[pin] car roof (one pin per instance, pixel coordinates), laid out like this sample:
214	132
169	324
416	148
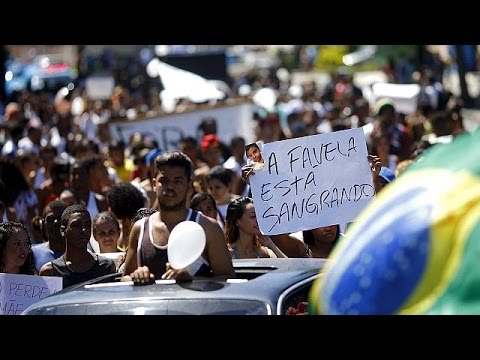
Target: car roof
262	280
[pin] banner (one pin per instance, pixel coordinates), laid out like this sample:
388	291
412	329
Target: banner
312	181
235	120
17	292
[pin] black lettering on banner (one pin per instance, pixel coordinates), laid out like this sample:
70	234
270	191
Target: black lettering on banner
323	198
11	308
265	193
295	182
310	205
327	151
171	136
272	163
292	159
283	212
266	216
328	199
306	157
319	161
334	197
370	187
338	149
310	179
295	209
344	195
351	145
277	186
357	192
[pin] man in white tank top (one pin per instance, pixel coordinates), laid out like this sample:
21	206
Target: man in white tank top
171	184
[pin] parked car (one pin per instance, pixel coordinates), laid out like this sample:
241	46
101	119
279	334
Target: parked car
44	72
50	73
262	287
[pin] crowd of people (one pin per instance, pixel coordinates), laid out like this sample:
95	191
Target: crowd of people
70	192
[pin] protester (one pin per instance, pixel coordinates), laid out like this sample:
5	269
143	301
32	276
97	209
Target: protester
124	200
219	182
77	264
205	203
243	234
146	258
322	240
16	253
54	245
106	230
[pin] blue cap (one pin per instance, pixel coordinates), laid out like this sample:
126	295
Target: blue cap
152	155
387	174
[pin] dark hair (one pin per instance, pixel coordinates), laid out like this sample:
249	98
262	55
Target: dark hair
12	182
142	213
189	140
56	204
235	211
116	145
254	144
172	159
124	200
61	166
309	239
38	222
198	198
6	230
89	162
105	217
206	123
237	140
221	174
73	209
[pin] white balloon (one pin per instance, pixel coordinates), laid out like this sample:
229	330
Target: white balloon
185	245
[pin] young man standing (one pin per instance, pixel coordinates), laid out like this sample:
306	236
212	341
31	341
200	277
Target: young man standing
146	258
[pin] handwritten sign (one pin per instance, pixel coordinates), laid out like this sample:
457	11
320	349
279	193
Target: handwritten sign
312	181
168	130
17	292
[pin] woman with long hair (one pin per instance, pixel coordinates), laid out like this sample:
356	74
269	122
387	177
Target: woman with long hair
243	235
16	255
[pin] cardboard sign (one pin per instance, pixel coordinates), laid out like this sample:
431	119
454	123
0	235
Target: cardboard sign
312	181
17	292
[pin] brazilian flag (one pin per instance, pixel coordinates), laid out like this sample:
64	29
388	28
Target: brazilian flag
416	248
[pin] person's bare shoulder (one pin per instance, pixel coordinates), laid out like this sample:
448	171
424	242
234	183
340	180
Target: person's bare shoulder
209	224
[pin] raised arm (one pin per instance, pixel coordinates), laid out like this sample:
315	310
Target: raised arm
291	246
265	240
131	255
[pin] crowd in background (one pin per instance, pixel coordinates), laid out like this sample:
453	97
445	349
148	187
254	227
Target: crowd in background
58	146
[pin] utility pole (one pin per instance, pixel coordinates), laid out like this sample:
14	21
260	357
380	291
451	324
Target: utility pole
467	100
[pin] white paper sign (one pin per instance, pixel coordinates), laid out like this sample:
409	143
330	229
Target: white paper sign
312	181
99	87
232	121
17	292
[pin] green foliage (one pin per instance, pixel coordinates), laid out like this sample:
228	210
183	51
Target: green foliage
329	57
